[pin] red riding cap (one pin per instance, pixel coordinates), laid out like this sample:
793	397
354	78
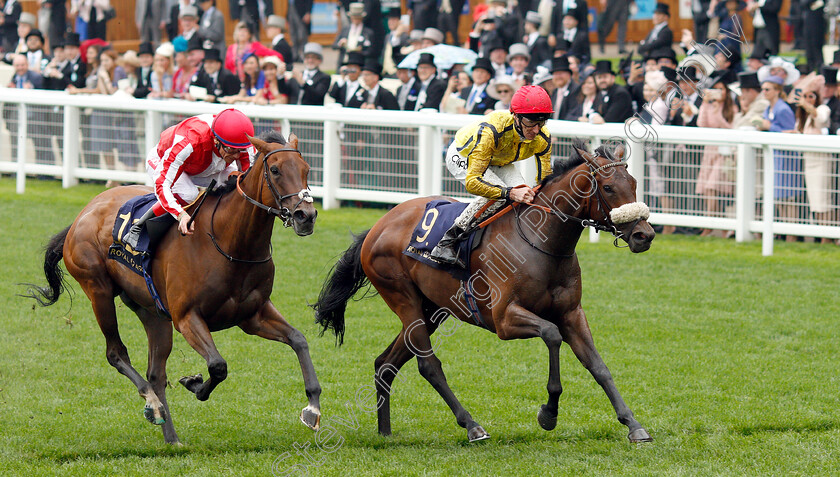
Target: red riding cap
232	128
531	99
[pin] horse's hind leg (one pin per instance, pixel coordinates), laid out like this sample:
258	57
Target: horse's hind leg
386	367
195	331
270	324
159	334
117	354
576	332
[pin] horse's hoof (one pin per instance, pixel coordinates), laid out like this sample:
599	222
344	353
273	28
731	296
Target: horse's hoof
546	420
192	383
639	435
311	417
149	414
477	433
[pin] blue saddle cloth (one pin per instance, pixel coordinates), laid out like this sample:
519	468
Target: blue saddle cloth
137	260
437	219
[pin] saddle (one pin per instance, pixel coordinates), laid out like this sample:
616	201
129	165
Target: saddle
438	217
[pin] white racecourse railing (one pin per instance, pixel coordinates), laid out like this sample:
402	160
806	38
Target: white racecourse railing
391	156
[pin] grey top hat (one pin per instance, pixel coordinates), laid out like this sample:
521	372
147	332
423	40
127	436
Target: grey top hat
518	49
533	17
415	35
276	21
312	48
188	11
433	34
28	18
356	9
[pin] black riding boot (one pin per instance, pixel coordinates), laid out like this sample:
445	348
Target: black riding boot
133	234
446	250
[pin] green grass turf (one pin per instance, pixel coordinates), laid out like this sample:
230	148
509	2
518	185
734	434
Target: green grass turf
728	358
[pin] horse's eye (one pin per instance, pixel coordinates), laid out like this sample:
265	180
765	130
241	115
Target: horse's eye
274	170
608	188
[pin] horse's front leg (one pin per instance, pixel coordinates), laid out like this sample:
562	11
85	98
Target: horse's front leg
195	331
519	323
270	324
576	332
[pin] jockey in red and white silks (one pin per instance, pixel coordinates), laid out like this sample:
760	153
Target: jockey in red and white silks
190	155
187	158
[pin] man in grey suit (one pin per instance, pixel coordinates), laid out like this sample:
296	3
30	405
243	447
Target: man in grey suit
148	16
211	27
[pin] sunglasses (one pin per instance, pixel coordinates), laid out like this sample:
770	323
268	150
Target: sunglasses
503	91
528	124
768	89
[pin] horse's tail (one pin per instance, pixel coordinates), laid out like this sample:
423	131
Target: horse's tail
49	294
346	278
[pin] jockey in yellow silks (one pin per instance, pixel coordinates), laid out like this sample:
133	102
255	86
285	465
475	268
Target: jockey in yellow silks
482	155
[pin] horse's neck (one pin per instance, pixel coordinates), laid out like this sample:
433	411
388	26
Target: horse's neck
561	236
240	225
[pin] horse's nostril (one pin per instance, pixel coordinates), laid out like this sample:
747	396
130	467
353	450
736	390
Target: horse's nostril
640	236
300	216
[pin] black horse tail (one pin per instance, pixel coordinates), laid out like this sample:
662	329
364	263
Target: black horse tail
49	294
346	278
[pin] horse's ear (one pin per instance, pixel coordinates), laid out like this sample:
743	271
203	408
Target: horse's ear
619	152
258	143
586	156
293	141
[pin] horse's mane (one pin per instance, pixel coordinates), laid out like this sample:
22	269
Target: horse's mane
561	167
272	137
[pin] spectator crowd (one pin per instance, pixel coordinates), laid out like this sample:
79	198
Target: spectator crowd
721	81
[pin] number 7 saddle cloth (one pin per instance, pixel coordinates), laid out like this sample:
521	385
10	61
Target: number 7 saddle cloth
437	219
139	261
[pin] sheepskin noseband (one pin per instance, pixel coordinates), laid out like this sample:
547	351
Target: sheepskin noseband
629	213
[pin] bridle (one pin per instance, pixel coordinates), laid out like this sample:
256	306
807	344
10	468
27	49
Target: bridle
280	211
607	226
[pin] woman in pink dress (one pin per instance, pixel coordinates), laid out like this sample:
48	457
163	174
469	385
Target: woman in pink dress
716	180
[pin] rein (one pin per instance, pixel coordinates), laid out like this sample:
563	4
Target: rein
282	212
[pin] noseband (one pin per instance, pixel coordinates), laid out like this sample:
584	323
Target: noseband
280	211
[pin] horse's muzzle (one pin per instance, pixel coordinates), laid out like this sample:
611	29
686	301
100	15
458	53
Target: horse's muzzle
640	237
303	221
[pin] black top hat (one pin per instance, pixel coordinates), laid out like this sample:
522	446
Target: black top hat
394	12
145	48
758	54
494	44
830	74
195	43
36	32
373	66
662	8
718	76
836	57
668	53
670	74
688	72
212	54
749	80
426	59
563	45
355	58
560	63
603	66
484	64
71	39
